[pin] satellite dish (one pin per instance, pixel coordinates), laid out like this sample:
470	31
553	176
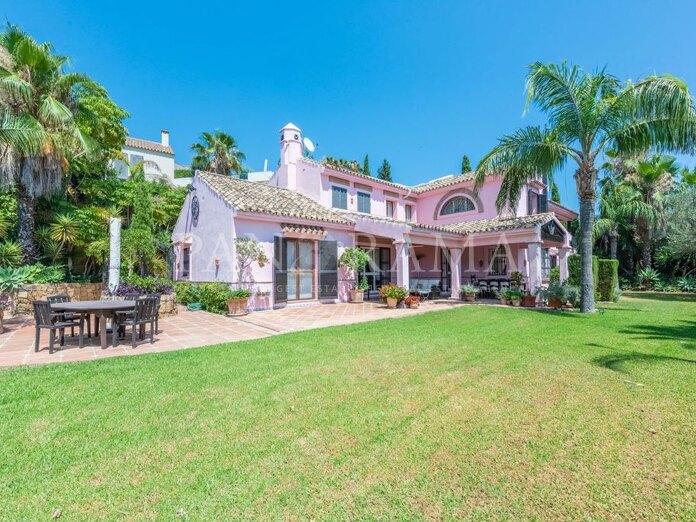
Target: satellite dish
308	145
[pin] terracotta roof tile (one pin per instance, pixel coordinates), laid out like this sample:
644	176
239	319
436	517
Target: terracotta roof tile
250	196
443	182
153	146
498	223
302	229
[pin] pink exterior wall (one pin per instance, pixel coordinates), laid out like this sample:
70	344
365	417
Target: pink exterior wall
212	238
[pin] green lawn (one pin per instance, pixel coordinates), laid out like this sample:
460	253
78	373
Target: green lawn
480	412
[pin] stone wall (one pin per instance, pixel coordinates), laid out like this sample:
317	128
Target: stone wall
77	292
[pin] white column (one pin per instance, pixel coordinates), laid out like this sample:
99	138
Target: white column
563	262
402	274
534	260
456	268
114	253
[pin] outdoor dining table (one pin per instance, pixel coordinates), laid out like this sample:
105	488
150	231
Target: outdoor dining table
101	310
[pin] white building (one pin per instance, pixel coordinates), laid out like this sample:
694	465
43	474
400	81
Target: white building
158	158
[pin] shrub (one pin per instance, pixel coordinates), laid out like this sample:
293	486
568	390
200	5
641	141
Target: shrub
563	292
555	275
214	296
687	284
240	293
574	270
145	285
648	278
10	254
187	292
608	279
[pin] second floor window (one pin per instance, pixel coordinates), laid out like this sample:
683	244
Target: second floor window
363	202
456	205
339	198
408	210
390	209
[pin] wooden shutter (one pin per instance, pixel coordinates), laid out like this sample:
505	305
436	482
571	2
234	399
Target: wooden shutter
280	269
543	203
328	270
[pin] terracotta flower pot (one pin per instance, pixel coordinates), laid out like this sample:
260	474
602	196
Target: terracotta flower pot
515	302
503	301
469	298
554	302
391	302
237	307
357	296
529	300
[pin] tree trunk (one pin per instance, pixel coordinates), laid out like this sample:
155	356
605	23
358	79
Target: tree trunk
586	181
613	244
587	297
646	254
26	210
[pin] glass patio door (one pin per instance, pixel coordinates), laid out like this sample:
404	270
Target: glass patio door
300	258
378	269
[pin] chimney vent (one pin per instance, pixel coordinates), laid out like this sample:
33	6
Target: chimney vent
165	138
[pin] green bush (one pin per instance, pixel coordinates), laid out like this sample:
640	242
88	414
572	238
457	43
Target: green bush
187	292
574	270
555	275
608	279
214	297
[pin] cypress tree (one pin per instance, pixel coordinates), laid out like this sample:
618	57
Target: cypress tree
366	166
384	171
466	164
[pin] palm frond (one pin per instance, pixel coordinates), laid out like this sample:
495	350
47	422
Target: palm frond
22	133
53	113
528	154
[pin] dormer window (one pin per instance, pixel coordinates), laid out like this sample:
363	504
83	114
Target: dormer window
457	205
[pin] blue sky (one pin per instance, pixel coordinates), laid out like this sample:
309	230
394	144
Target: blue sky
418	83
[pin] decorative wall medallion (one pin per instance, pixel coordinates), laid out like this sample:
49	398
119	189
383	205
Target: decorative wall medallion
195	209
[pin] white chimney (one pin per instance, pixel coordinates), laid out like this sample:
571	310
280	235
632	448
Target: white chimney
165	138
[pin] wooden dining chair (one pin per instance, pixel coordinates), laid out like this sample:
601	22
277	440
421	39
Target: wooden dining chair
69	316
143	313
45	319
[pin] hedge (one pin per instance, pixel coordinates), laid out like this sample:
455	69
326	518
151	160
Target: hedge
574	270
608	279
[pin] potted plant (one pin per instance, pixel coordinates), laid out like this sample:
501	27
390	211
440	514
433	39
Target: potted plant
516	279
515	297
393	294
529	299
237	302
412	301
558	294
468	293
356	259
502	296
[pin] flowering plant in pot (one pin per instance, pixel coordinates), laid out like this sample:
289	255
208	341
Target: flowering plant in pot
515	297
393	294
468	293
356	259
412	301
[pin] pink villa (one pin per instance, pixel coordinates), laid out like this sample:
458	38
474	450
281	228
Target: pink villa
437	235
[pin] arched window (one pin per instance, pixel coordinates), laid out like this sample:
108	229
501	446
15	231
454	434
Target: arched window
456	205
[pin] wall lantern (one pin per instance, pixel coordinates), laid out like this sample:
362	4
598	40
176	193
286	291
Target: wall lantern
480	263
217	262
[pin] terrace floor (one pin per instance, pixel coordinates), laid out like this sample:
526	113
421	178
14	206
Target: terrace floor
194	329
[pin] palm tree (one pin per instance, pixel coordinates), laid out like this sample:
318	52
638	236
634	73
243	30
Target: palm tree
40	105
587	115
218	152
650	181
